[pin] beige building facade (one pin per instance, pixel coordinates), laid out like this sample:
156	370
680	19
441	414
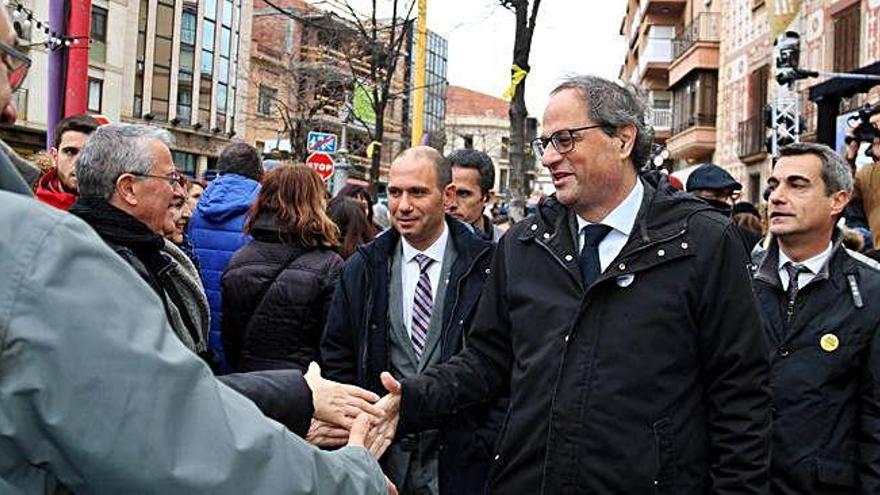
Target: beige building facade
717	70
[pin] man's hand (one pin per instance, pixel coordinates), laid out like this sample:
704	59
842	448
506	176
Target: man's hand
383	431
361	431
323	434
337	403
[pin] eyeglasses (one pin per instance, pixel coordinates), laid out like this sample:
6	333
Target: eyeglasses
563	140
174	178
18	64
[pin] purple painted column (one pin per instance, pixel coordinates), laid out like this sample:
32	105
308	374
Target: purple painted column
56	72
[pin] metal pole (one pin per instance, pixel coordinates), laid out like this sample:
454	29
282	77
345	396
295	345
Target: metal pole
56	72
418	107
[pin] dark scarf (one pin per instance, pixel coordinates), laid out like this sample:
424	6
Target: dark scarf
118	228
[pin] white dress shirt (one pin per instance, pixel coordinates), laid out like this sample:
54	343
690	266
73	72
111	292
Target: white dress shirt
814	264
621	220
410	273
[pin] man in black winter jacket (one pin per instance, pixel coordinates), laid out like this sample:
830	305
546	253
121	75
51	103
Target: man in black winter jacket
621	320
396	310
818	301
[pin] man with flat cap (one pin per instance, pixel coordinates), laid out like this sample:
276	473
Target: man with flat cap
717	187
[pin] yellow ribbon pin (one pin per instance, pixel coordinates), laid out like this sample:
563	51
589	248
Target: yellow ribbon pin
829	342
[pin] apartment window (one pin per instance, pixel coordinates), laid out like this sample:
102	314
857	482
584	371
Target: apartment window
185	162
162	59
694	101
847	26
138	106
211	9
98	35
187	44
184	103
505	147
96	90
266	100
208	48
205	92
503	180
758	90
468	141
227	13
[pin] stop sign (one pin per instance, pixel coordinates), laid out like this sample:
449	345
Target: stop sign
321	163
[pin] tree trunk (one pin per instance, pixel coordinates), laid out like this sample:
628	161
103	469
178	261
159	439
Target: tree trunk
376	159
520	160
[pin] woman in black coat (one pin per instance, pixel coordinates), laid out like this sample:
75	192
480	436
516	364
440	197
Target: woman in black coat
276	290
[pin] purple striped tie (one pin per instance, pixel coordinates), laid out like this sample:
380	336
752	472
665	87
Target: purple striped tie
423	304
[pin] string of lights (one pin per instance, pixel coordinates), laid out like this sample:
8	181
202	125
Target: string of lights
28	19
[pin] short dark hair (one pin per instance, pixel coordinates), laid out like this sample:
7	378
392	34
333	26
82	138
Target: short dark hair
242	159
78	123
476	160
441	164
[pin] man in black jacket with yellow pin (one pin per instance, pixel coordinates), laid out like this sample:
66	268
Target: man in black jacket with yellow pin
818	302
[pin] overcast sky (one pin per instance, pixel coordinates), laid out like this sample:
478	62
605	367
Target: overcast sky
572	36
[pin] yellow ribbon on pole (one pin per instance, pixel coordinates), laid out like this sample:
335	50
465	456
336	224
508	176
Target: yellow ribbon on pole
371	148
517	74
780	13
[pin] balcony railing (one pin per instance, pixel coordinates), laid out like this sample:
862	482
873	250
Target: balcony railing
705	27
751	135
661	118
694	120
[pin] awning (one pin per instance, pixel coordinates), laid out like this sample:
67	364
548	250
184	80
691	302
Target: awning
839	87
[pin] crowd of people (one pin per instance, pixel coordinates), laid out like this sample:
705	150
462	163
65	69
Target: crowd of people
253	335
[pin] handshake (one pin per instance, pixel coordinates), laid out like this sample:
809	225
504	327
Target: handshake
350	415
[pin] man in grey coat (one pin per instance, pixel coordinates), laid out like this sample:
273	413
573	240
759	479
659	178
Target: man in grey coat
97	395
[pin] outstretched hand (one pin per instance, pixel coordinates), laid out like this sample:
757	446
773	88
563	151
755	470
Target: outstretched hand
384	429
328	435
361	432
337	403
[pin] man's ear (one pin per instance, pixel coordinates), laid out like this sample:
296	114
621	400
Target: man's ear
839	200
53	153
448	195
125	189
627	138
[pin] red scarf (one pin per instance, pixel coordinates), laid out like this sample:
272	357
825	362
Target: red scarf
50	191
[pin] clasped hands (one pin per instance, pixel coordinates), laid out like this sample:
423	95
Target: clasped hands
350	415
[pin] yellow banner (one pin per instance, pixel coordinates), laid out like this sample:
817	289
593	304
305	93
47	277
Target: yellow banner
780	13
517	74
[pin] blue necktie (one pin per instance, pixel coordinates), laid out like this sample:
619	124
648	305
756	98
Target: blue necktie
589	257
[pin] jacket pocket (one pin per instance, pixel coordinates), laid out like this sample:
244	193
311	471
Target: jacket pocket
497	452
836	473
664	449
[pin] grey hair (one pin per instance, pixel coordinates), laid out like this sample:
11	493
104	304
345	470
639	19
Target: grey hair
113	150
614	105
836	173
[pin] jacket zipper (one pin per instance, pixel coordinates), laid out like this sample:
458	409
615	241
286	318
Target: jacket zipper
458	285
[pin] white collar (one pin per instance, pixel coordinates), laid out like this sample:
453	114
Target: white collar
623	216
435	251
814	264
